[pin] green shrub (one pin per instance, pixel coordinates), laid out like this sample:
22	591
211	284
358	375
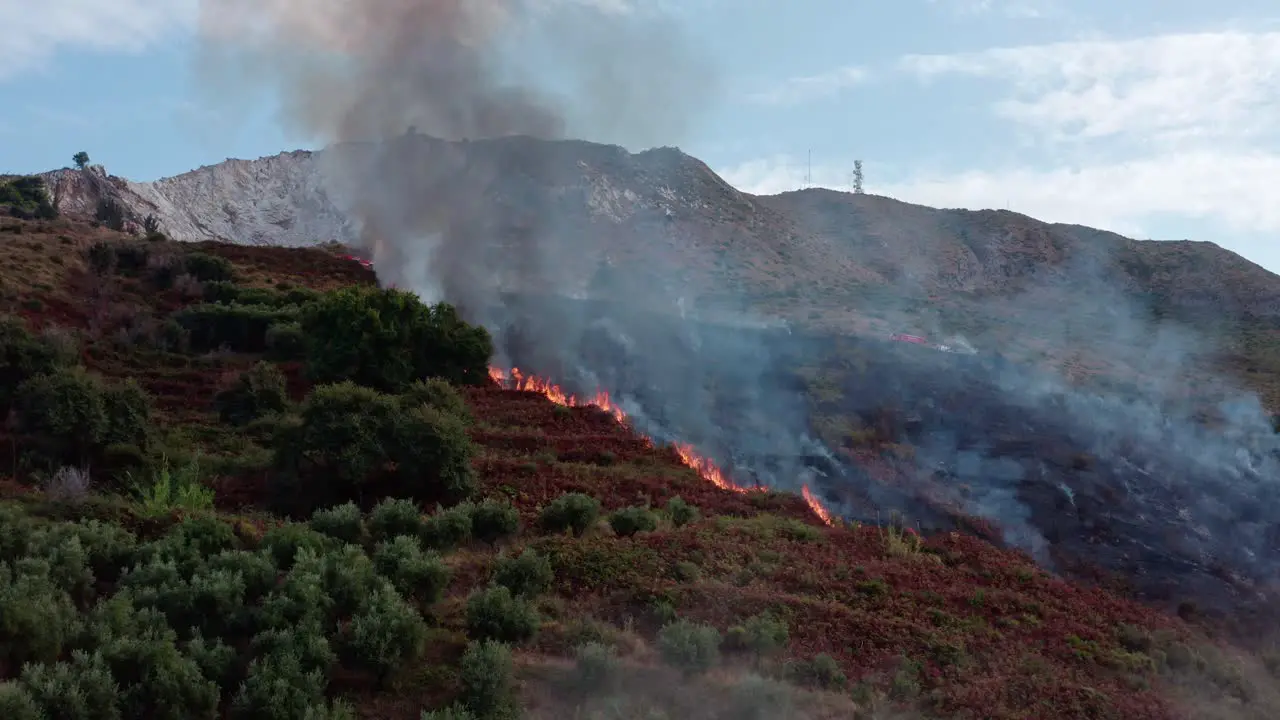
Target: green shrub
278	688
392	517
596	669
488	689
439	394
216	660
74	415
689	647
572	511
16	703
285	341
495	614
81	689
38	620
261	390
347	575
349	438
305	642
284	542
386	339
208	268
822	672
170	489
241	328
527	575
680	512
384	634
494	520
629	521
343	522
301	599
27	198
448	528
24	356
422	575
761	635
158	681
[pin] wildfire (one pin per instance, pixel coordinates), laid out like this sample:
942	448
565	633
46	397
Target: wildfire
516	380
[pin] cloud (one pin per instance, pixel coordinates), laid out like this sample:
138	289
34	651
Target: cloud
1170	88
1022	9
813	87
34	32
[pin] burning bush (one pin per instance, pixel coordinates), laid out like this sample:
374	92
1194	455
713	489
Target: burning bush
386	339
351	443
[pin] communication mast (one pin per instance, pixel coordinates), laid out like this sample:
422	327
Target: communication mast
857	177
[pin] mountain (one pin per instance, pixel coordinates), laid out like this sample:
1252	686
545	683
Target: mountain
833	260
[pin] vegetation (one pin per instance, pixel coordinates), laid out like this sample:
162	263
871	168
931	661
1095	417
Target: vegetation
244	482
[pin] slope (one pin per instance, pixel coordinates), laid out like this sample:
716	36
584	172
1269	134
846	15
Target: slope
175	530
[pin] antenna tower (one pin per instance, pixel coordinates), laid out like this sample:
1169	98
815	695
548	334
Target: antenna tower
857	177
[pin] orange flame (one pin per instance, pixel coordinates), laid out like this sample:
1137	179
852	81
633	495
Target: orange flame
516	380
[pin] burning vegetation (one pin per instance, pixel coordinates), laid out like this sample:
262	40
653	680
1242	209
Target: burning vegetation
224	466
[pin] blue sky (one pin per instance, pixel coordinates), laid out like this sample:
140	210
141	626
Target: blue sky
1154	118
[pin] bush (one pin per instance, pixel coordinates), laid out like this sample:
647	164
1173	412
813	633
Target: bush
494	520
305	642
761	635
81	689
347	575
341	522
37	619
488	690
349	438
453	712
421	575
241	328
596	669
439	394
215	659
571	511
285	341
392	517
384	634
261	390
447	529
680	512
27	198
495	614
386	339
170	489
629	521
822	672
18	704
208	268
278	688
24	356
158	680
528	575
74	415
285	542
689	647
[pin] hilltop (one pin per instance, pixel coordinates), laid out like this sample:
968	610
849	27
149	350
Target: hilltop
186	535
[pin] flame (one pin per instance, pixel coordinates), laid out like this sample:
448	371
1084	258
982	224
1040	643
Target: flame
516	380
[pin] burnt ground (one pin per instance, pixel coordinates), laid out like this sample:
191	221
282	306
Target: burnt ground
949	626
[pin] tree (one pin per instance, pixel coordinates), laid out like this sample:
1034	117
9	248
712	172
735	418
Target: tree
81	159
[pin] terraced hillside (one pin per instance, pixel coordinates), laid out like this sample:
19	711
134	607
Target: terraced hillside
204	516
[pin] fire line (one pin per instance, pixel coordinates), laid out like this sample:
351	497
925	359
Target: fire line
708	470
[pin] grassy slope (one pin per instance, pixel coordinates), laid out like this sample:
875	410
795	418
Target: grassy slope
952	625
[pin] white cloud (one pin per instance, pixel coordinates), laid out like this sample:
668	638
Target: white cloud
813	87
35	31
1030	9
1218	86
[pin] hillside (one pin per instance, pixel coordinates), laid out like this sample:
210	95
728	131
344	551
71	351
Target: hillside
167	580
525	215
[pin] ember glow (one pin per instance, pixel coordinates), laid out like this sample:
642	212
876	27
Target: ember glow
516	380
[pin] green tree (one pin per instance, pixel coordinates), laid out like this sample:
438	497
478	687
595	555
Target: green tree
387	339
81	159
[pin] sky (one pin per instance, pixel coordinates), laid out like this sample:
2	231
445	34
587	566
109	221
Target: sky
1152	118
